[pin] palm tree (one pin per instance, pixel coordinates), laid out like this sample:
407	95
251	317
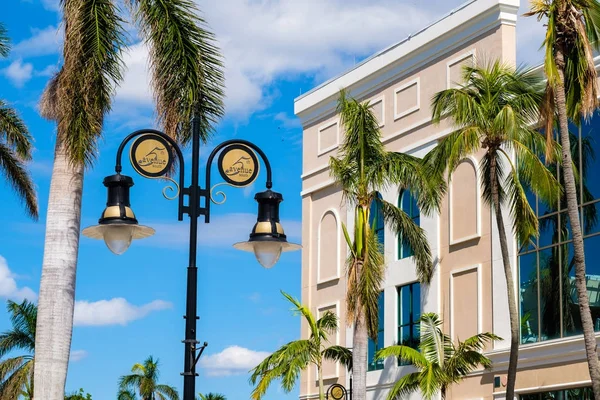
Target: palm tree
212	396
16	373
572	92
362	168
15	145
289	360
493	112
439	362
80	395
187	78
144	380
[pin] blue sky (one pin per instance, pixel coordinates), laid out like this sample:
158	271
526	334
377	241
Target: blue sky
131	306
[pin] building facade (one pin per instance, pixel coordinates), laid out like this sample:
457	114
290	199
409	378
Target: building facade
468	289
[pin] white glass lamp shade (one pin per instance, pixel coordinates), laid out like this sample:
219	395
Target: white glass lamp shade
118	237
267	253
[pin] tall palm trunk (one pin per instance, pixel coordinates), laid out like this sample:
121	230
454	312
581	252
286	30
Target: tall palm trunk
510	286
573	211
57	286
359	356
320	377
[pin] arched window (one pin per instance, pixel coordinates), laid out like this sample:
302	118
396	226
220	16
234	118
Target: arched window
376	220
408	204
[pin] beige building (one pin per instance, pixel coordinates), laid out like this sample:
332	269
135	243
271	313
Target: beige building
468	289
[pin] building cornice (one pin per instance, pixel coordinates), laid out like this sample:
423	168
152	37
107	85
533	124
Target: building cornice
470	20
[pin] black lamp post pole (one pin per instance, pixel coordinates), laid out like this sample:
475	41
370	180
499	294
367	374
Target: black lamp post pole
189	374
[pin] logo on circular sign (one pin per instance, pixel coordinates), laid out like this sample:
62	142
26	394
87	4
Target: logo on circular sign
337	392
151	155
238	165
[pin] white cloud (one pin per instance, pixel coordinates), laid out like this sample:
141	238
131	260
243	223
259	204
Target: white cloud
51	5
233	227
78	355
42	42
117	311
265	41
233	360
18	72
8	285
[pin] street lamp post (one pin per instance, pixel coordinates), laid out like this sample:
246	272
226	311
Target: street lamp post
152	157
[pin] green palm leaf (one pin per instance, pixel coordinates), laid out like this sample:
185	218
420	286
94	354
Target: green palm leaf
187	69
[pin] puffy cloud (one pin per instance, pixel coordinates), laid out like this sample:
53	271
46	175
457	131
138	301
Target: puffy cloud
8	285
233	360
42	42
18	72
78	355
265	41
117	311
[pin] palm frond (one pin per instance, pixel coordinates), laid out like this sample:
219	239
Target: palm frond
404	353
15	171
4	41
404	386
370	281
409	172
286	364
168	391
328	323
412	235
84	87
339	354
126	395
304	311
187	68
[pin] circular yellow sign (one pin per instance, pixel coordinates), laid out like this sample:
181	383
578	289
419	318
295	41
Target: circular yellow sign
337	393
238	165
151	156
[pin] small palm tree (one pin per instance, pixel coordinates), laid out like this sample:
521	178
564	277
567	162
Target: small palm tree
16	373
212	396
15	145
439	362
288	361
144	380
363	168
572	33
493	112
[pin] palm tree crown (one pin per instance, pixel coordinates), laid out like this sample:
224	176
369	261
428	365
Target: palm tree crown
15	145
494	111
212	396
288	361
16	373
144	380
438	360
362	169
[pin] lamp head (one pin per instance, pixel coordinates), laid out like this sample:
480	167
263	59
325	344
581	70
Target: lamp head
117	224
267	240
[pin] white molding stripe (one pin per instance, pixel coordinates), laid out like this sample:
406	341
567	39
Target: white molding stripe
314	171
338	232
453	241
477	268
413	82
321	151
471	53
545	388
